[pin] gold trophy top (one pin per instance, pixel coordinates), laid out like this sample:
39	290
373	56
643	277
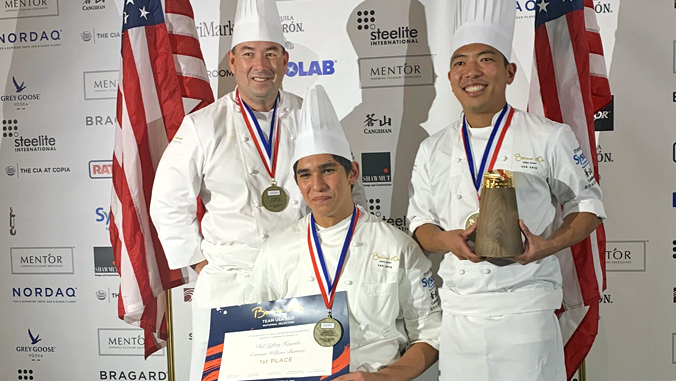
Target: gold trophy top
498	178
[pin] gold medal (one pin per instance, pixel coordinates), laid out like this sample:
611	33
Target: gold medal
274	198
471	219
327	332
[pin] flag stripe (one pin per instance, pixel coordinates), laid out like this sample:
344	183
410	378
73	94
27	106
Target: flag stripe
547	78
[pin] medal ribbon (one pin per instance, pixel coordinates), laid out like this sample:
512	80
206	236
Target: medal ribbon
327	287
492	150
266	150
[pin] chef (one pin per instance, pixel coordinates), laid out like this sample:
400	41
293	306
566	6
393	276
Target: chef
498	318
235	155
392	298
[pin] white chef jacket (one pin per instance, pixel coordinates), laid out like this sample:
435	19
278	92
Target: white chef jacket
549	170
213	155
392	299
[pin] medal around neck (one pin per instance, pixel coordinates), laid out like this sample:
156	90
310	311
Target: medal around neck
498	234
274	198
327	332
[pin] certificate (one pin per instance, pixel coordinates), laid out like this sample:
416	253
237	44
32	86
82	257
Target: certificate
274	341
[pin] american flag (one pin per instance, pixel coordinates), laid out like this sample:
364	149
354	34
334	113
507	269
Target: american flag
569	85
162	78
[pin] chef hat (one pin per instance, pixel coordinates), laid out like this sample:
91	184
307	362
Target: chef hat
320	131
489	22
257	20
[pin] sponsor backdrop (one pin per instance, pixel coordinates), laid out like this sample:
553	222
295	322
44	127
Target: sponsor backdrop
384	64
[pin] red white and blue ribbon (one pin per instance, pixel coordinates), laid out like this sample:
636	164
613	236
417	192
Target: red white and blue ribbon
328	288
267	148
492	148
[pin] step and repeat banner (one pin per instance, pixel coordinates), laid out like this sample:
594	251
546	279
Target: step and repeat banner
384	63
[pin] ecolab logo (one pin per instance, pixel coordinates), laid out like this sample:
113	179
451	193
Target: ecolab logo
306	69
101	169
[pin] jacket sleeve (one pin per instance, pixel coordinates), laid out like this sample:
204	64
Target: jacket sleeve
572	175
418	297
173	205
421	208
263	283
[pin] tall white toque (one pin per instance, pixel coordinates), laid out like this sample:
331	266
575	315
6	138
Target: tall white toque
489	22
320	131
257	20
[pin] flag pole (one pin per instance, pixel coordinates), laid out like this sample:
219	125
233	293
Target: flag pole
583	371
171	376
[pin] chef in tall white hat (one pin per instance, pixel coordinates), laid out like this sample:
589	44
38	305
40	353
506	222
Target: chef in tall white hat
498	318
392	300
235	154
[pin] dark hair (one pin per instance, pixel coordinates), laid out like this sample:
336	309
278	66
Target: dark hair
341	160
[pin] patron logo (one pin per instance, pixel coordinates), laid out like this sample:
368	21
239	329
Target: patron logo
99	120
604	120
26	374
600	7
20	98
34	347
42	260
12	222
19	9
187	294
93	5
602	156
626	256
149	375
377	125
213	29
100	84
49	295
122	342
289	25
377	168
606	299
29	39
101	169
104	261
95	36
399	71
307	69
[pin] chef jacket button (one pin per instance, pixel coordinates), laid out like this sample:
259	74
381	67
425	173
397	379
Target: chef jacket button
294	202
457	159
459	196
348	282
357	244
286	109
245	139
486	271
461	272
253	171
264	236
257	204
310	279
238	109
293	137
503	158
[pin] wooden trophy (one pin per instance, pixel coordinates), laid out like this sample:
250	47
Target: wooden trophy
498	234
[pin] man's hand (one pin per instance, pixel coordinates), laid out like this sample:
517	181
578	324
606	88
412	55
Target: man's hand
364	376
535	248
199	266
456	242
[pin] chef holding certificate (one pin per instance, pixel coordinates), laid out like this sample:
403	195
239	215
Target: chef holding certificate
392	299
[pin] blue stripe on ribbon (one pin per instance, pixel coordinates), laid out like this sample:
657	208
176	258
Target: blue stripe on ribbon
267	143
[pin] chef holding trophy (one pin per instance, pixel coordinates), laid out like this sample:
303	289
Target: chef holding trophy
477	186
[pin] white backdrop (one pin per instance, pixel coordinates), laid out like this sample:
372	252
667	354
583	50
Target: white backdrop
60	60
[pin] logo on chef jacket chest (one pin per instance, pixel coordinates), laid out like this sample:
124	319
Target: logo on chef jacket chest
385	261
377	169
529	162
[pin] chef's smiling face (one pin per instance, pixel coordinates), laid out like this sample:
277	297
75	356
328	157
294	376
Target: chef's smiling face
326	187
479	77
259	68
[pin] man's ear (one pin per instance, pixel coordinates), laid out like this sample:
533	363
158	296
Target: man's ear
354	173
511	72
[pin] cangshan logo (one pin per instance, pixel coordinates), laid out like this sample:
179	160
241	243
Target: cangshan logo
19	9
93	5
